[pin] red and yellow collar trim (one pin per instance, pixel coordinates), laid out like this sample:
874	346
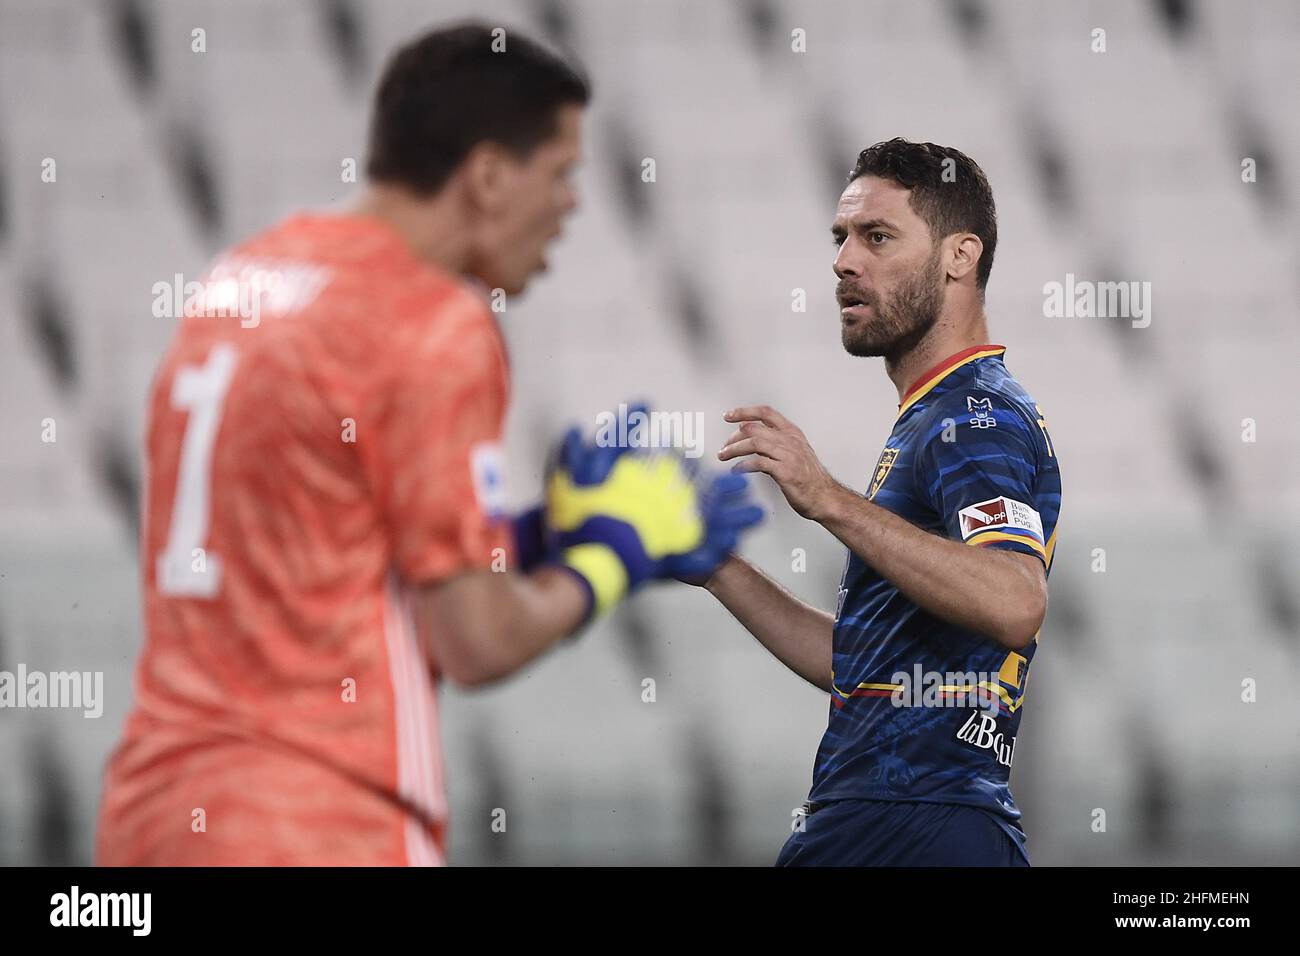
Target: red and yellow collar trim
937	373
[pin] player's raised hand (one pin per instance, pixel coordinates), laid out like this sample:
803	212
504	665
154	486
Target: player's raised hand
769	442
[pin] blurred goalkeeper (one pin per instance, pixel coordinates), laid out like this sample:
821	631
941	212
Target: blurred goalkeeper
324	531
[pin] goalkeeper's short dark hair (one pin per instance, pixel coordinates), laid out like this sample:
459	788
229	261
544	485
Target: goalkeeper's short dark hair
949	191
452	88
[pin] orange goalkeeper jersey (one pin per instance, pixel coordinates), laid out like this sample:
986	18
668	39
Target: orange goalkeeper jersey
323	434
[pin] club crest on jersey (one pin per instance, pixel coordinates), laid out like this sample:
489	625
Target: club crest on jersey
887	459
981	410
1000	513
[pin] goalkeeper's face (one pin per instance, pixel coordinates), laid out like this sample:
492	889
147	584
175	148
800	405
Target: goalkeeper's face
891	274
525	206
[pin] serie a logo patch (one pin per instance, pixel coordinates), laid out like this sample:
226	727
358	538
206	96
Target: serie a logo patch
887	459
487	469
1000	513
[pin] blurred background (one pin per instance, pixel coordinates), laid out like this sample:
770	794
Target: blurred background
1169	157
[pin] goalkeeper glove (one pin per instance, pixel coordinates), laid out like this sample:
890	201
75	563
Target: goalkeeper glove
528	529
619	518
728	510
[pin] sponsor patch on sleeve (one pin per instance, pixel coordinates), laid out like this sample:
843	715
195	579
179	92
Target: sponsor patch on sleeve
1000	514
487	467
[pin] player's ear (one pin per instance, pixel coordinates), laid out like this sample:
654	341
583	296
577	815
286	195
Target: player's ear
964	254
485	169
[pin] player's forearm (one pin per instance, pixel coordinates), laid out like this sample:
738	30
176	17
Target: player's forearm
485	626
797	634
535	611
992	592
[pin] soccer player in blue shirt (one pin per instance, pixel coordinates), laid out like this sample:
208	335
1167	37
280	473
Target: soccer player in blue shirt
949	545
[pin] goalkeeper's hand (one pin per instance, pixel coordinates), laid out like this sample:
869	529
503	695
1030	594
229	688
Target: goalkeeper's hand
620	517
728	511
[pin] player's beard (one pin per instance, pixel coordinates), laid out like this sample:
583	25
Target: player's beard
901	320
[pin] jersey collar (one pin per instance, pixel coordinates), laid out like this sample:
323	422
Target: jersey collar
937	373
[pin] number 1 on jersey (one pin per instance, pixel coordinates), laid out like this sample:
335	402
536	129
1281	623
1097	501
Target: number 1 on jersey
184	568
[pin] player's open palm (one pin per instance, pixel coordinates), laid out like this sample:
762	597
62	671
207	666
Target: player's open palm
769	442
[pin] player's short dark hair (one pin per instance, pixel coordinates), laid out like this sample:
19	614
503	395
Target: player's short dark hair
455	87
961	202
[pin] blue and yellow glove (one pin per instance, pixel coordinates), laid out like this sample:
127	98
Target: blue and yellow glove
728	511
619	517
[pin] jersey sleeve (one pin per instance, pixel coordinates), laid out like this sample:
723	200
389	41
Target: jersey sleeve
978	470
436	465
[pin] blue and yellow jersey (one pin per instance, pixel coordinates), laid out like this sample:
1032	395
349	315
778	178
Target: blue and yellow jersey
923	710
